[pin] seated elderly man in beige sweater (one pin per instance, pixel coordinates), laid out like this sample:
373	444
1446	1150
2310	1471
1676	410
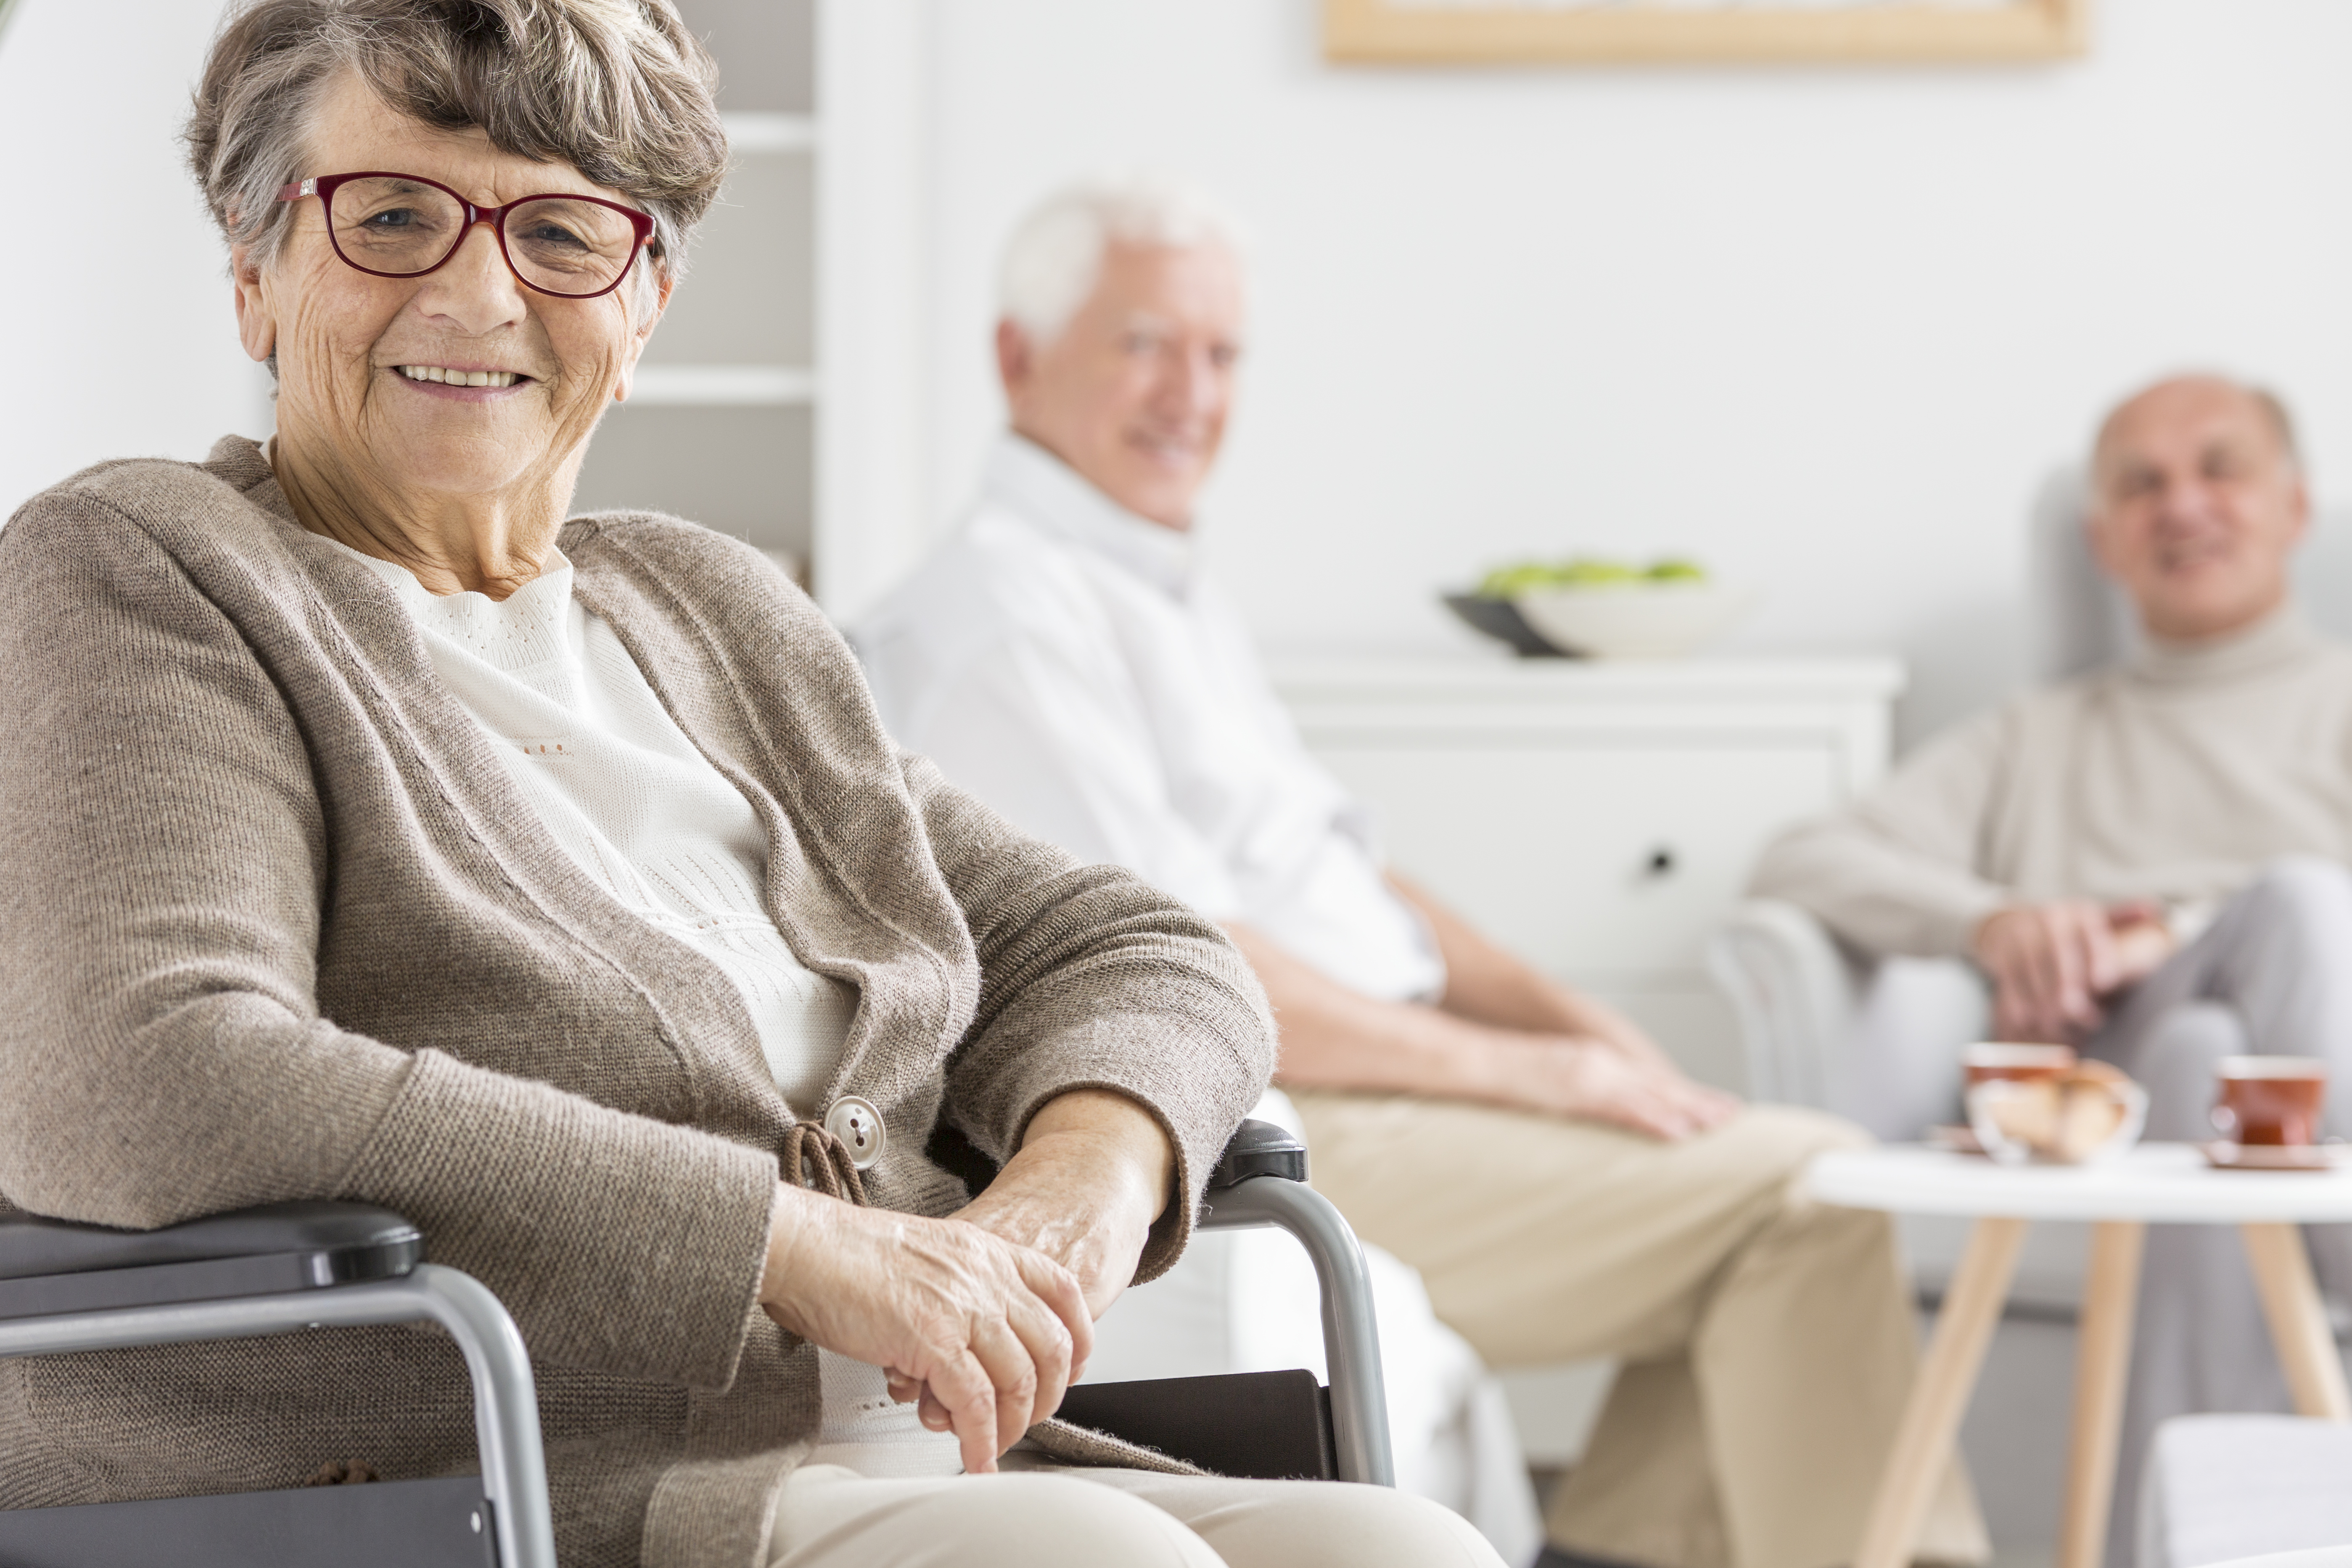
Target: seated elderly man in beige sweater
2149	862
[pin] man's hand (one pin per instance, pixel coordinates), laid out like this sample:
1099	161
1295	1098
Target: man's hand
2052	966
986	1332
1506	1036
1599	1080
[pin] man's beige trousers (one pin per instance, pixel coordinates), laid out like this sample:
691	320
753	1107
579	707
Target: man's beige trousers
1767	1343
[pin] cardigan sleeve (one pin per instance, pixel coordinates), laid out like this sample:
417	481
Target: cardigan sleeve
1090	978
163	1053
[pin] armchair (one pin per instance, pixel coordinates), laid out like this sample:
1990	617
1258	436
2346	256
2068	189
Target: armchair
1877	1042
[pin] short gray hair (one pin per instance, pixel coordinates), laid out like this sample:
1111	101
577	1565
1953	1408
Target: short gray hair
617	89
1055	256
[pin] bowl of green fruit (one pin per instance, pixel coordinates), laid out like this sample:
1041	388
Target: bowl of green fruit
1595	608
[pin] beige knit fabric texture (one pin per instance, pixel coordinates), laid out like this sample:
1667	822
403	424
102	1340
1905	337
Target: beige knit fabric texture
2174	776
276	923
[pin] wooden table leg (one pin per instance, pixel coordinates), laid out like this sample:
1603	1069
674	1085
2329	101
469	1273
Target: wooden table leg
2102	1358
1923	1442
2299	1326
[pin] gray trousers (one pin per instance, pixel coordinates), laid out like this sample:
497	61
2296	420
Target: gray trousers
2271	976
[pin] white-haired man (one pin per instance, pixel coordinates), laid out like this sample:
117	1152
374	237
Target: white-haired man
2148	862
1564	1191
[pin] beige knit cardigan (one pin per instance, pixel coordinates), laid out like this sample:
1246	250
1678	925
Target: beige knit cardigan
276	922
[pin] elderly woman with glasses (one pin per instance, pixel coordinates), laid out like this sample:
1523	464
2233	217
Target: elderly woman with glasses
376	833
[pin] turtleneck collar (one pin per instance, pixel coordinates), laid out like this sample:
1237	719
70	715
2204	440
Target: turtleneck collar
1028	479
2278	639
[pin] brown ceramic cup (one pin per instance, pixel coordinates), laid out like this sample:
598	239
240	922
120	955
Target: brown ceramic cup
2271	1101
1991	1060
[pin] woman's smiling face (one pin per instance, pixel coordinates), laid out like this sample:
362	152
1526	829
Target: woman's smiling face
368	367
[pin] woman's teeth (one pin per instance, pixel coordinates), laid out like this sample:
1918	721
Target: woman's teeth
461	377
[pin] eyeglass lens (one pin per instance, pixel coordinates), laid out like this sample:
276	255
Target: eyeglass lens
558	245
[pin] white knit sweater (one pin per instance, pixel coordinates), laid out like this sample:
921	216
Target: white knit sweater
628	796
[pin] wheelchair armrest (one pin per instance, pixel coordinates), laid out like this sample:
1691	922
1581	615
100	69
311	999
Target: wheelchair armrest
1239	1197
277	1269
52	1266
1259	1148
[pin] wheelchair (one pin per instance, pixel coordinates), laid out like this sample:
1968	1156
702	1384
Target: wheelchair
290	1266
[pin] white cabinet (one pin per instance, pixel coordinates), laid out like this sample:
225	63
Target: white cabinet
1598	818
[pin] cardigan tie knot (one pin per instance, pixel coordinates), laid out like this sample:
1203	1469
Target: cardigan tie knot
814	1158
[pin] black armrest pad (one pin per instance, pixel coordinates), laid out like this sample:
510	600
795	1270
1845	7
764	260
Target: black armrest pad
50	1266
31	1245
1259	1148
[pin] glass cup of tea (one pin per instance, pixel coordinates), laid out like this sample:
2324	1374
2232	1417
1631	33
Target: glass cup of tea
2270	1101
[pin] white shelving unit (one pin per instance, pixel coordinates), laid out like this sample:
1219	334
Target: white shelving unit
752	134
781	398
720	424
724	386
758	131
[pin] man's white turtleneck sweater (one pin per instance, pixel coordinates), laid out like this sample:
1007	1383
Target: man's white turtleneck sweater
2173	776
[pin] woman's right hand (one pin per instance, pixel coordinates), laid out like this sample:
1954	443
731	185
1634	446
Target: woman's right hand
988	1332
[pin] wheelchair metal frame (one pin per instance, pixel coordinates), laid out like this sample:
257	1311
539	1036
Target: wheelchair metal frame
506	1403
1351	1337
1260	1182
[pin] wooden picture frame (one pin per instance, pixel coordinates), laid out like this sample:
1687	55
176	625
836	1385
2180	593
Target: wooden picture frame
1468	32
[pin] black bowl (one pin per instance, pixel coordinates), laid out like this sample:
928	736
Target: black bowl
1500	619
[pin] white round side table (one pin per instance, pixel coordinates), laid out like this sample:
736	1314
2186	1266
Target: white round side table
2163	1183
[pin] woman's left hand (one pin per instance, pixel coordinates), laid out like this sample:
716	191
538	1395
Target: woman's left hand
1092	1174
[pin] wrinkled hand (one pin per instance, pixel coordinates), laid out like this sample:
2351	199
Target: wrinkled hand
988	1334
2054	965
1089	1226
1593	1080
1092	1172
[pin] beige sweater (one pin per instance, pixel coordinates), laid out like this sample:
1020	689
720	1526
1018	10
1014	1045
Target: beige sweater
276	922
2174	776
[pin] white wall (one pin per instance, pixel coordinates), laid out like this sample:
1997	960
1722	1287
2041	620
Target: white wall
116	334
1825	329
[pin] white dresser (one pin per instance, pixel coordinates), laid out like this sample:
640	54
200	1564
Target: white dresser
1598	818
